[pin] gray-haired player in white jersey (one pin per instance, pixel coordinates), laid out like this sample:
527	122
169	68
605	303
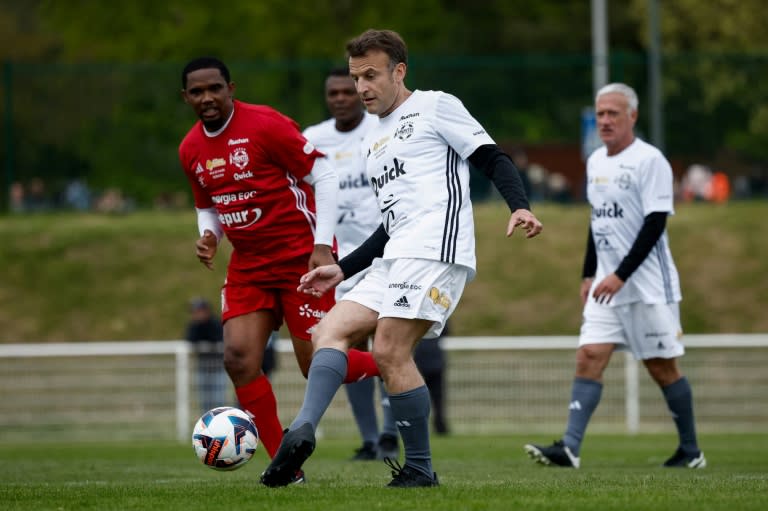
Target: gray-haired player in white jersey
420	257
340	138
630	287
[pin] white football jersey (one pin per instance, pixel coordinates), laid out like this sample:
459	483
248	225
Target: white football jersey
622	190
358	211
416	160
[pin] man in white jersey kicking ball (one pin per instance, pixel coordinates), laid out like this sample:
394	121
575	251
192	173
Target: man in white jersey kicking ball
341	137
421	256
630	287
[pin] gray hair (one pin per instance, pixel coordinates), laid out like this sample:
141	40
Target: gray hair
623	89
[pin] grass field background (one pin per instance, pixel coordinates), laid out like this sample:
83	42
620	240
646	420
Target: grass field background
476	473
70	277
89	277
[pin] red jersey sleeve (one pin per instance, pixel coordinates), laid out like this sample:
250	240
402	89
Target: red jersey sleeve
187	158
287	147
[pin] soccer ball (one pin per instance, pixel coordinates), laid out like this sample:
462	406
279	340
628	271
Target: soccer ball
225	438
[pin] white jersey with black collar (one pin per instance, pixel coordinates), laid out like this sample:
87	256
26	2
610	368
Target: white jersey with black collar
622	190
358	212
416	160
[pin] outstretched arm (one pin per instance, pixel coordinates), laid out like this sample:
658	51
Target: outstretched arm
498	167
323	278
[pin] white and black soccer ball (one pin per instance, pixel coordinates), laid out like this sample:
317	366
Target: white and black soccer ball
224	438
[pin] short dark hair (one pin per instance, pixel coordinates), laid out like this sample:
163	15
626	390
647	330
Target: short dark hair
204	63
387	41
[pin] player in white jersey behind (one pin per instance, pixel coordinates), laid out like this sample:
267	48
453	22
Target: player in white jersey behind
341	137
630	287
420	257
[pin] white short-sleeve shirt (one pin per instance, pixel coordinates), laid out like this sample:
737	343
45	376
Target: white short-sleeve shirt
416	161
358	211
622	190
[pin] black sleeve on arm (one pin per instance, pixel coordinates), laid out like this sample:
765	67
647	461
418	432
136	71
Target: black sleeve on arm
361	258
650	232
497	165
590	258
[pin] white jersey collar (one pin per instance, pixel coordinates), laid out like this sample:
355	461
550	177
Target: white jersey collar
220	130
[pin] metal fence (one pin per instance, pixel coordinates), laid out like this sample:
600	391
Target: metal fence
130	390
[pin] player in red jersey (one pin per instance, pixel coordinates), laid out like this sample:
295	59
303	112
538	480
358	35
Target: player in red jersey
252	175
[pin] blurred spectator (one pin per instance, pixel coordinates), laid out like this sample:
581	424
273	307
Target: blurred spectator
77	195
720	187
557	188
113	201
169	200
701	184
16	197
741	187
696	182
520	159
204	330
37	196
537	179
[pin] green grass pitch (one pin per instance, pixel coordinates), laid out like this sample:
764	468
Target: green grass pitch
476	473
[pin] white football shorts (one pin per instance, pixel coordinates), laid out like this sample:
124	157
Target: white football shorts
346	285
412	289
647	330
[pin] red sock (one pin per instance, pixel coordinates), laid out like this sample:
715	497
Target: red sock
258	399
360	365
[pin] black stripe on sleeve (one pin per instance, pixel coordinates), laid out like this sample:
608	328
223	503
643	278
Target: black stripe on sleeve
498	166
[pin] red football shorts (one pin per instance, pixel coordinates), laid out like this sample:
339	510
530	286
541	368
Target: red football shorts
274	289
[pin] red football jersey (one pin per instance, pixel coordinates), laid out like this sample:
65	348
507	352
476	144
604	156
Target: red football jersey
252	172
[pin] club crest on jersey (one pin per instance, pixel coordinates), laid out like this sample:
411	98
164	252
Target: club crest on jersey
405	131
239	158
624	181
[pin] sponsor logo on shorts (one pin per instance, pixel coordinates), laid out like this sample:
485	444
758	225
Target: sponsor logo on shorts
439	298
404	285
308	312
402	302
